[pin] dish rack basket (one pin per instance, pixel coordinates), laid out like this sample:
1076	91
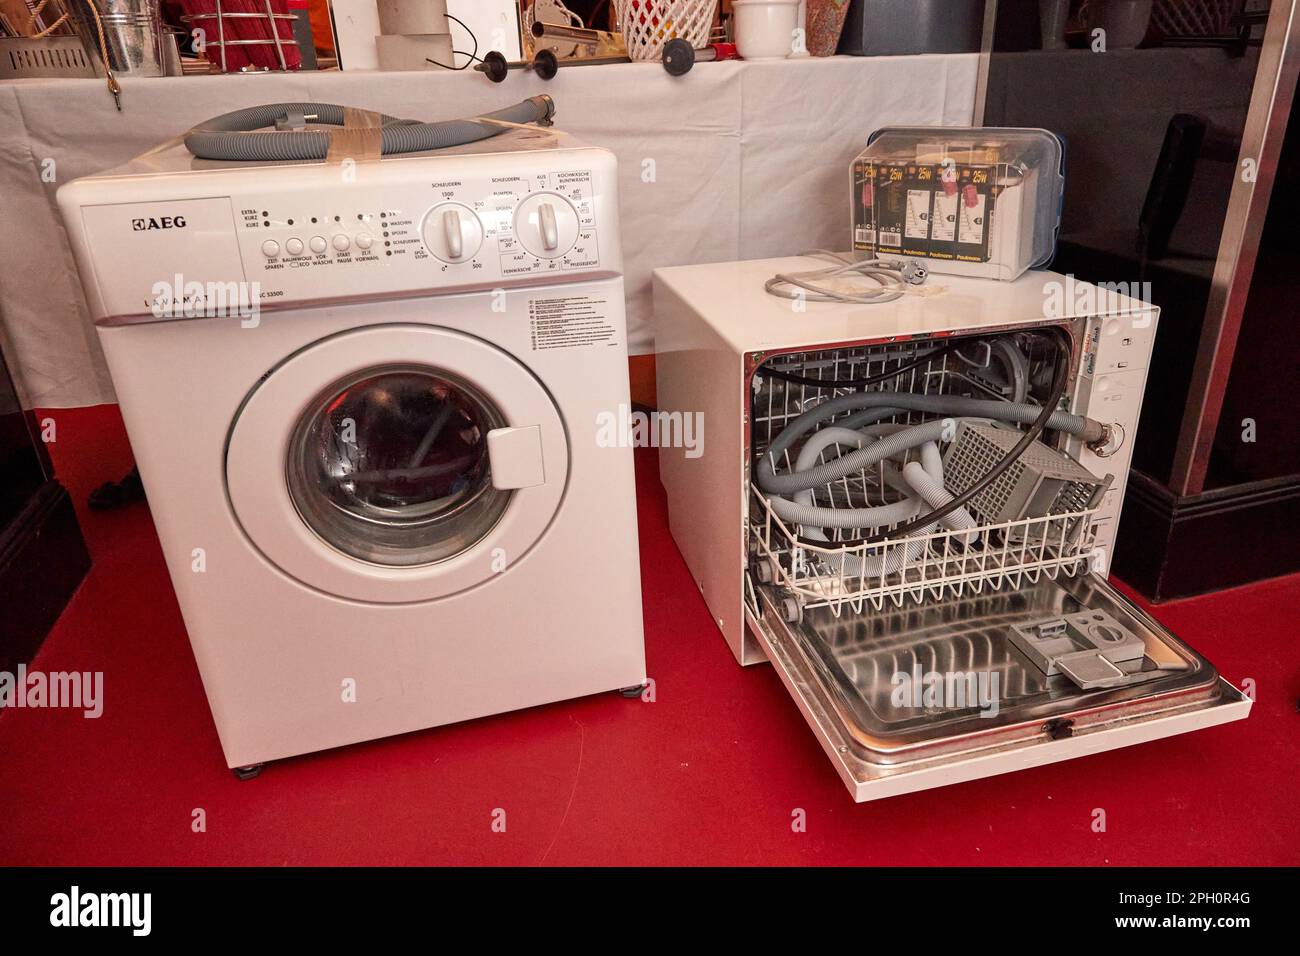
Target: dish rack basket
999	552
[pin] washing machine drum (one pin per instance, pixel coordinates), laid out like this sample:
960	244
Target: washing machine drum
391	466
368	473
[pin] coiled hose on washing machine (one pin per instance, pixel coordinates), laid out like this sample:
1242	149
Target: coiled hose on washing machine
243	134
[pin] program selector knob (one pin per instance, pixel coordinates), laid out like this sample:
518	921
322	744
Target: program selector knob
452	232
546	225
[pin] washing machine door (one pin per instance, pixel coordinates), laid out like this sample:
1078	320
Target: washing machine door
397	463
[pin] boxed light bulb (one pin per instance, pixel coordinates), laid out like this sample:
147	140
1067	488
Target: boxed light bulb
970	201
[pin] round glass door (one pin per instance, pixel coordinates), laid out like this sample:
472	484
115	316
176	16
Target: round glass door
390	466
362	464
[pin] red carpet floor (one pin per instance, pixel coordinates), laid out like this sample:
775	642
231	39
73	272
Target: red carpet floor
709	773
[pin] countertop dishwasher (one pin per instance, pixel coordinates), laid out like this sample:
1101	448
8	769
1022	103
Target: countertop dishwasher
925	642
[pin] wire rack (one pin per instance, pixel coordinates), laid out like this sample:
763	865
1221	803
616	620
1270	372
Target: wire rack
1196	17
837	573
225	28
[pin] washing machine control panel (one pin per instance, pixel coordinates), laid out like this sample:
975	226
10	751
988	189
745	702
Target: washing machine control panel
314	233
449	232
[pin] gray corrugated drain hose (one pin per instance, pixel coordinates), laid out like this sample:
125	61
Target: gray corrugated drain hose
1022	413
936	496
243	134
802	510
920	481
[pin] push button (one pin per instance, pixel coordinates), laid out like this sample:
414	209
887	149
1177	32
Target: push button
365	241
270	248
318	244
342	243
294	247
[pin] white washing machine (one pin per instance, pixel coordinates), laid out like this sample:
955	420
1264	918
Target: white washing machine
365	400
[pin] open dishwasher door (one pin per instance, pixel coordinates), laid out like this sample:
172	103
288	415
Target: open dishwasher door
918	696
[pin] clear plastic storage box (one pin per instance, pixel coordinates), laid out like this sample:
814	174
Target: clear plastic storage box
970	201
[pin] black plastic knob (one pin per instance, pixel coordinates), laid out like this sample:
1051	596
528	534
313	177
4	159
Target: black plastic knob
495	66
546	64
679	57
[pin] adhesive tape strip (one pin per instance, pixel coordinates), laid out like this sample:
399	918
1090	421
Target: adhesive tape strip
360	139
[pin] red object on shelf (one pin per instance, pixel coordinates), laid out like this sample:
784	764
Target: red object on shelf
245	29
284	30
251	21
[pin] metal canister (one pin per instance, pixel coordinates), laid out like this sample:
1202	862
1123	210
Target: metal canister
132	34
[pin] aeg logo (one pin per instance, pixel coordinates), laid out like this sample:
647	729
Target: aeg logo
161	222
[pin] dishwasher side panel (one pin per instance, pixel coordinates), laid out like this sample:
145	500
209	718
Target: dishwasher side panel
699	374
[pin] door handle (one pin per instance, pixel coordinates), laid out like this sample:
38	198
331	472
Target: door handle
515	456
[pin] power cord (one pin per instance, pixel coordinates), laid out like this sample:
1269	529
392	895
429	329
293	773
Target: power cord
860	382
891	276
1060	377
472	56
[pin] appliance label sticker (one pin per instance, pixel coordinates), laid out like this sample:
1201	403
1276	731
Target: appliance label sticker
570	321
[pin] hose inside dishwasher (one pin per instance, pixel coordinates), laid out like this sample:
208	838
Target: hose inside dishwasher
882	404
1089	430
921	482
911	437
802	511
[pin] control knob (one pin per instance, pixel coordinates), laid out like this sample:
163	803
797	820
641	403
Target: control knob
452	232
546	225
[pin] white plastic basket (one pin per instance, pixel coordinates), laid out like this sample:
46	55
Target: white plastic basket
648	24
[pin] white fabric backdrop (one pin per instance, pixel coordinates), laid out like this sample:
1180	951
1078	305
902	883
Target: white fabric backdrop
749	160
